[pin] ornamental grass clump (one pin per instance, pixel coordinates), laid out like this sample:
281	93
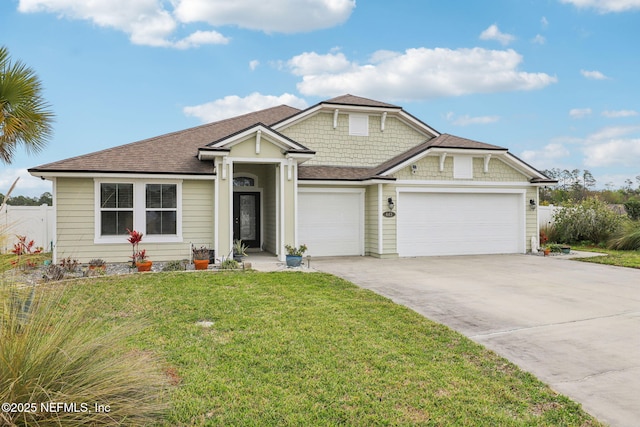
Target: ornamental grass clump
628	238
58	366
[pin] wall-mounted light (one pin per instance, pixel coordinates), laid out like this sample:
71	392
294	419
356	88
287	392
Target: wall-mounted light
390	203
532	204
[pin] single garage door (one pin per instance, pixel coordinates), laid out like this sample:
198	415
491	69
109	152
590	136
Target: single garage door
460	223
331	223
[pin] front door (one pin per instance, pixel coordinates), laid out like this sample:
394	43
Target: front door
246	218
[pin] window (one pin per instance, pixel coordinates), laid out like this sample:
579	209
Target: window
116	209
243	181
161	208
153	208
358	125
462	167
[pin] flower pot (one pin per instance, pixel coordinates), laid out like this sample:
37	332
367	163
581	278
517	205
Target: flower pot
566	249
547	251
294	260
144	265
201	264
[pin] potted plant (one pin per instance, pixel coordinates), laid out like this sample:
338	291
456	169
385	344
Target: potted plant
201	258
142	262
239	250
294	255
139	258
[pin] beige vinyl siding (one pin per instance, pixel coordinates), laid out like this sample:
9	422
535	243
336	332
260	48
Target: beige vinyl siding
428	168
337	148
531	225
389	229
371	221
76	217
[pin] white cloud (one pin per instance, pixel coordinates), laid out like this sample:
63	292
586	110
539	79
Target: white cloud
547	157
614	152
231	106
579	113
620	113
467	120
312	63
593	75
612	146
419	73
493	33
539	39
281	16
154	22
254	64
544	22
606	6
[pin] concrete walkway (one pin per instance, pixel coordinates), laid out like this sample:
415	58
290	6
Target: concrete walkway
574	325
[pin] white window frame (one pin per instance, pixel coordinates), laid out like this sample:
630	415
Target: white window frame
139	212
358	124
462	167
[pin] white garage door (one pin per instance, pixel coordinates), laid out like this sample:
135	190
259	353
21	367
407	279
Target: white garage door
331	223
460	223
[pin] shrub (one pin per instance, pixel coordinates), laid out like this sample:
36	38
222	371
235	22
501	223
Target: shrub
627	239
229	264
174	266
51	351
590	220
633	209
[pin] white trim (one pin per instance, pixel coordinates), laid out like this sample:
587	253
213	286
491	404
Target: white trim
280	254
268	133
358	124
354	183
54	186
335	118
256	159
139	212
216	213
295	204
468	183
332	190
117	175
379	220
258	135
462	167
460	190
230	248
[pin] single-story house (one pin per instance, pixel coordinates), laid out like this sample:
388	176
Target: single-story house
348	176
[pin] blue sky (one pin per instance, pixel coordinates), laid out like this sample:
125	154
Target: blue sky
555	81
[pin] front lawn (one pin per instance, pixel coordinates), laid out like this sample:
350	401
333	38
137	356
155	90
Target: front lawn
613	257
312	349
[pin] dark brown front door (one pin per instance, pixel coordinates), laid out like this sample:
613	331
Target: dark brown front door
246	218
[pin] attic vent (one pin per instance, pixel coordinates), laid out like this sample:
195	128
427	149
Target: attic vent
358	125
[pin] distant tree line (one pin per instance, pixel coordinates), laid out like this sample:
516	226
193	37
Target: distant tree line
577	185
45	199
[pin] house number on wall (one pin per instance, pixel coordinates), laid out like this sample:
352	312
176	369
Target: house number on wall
388	214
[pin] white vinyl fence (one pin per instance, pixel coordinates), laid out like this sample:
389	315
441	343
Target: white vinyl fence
35	222
545	214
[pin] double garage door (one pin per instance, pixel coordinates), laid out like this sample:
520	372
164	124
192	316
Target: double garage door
460	223
331	223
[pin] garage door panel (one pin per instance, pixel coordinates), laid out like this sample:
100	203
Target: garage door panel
459	223
331	223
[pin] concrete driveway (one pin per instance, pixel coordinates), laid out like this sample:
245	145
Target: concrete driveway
574	325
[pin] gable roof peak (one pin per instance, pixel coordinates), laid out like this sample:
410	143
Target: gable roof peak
358	101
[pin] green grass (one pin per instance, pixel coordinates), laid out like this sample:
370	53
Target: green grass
311	349
618	258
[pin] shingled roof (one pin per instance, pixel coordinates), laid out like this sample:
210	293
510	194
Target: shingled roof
176	153
173	153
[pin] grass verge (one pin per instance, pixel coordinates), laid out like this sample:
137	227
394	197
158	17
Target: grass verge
313	349
629	259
